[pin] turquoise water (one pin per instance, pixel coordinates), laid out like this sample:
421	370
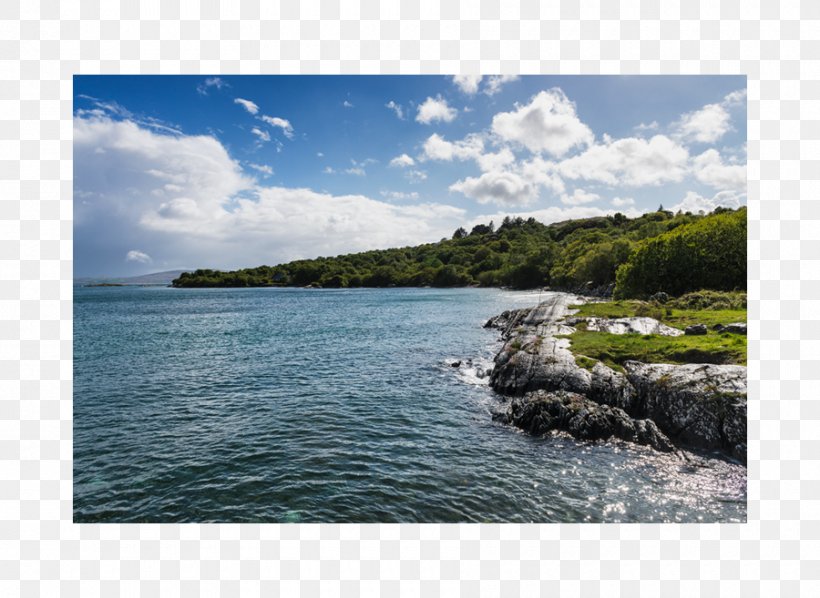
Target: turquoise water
299	405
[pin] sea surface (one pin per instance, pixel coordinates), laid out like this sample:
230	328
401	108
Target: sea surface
319	405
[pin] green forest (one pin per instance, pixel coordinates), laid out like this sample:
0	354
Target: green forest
657	251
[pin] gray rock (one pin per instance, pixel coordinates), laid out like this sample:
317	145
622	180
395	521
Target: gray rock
701	405
541	412
736	328
695	330
694	404
637	325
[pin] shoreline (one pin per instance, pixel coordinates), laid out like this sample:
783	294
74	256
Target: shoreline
669	407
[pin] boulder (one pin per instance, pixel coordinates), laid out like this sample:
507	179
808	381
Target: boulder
695	330
736	328
701	405
541	412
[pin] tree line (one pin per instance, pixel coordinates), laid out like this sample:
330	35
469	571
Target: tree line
653	252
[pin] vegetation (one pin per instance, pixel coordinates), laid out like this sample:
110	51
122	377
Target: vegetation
709	307
616	349
708	254
519	254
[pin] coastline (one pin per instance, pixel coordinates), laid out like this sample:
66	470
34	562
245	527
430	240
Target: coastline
666	406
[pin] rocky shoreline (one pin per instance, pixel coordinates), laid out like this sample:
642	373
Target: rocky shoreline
660	405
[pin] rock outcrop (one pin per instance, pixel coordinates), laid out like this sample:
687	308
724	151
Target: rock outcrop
697	405
541	412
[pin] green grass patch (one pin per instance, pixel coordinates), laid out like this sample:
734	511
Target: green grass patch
615	349
671	316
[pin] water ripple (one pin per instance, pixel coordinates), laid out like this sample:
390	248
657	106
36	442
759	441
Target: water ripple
293	405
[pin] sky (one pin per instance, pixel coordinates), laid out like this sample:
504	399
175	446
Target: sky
226	172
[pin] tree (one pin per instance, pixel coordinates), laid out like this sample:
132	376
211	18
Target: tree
460	233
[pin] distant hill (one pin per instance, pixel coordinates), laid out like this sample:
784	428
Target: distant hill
581	254
154	278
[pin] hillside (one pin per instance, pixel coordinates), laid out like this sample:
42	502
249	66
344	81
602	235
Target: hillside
518	254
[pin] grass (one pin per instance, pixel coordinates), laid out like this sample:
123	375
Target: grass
677	318
615	349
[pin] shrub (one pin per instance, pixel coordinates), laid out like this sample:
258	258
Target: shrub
707	254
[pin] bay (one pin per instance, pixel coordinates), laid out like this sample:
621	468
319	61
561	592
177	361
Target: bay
321	405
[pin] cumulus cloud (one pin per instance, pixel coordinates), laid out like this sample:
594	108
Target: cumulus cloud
547	124
500	187
694	202
247	104
138	256
395	108
435	109
467	83
217	216
347	104
706	125
495	82
629	161
438	148
735	98
579	197
709	169
275	121
402	161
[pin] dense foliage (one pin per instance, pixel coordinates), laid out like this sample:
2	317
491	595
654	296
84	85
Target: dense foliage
519	254
708	254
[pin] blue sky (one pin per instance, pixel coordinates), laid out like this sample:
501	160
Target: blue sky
236	171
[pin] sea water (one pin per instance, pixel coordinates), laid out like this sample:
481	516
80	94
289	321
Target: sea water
320	405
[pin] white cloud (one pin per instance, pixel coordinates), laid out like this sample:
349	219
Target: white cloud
138	256
735	98
395	108
495	82
547	124
500	187
203	87
247	104
320	155
630	161
709	169
402	161
220	218
495	161
329	170
415	176
356	170
622	202
263	168
281	123
579	197
438	148
347	104
706	125
435	109
263	135
694	202
467	83
395	195
653	126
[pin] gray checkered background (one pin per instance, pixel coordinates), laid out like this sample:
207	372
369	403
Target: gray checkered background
42	553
